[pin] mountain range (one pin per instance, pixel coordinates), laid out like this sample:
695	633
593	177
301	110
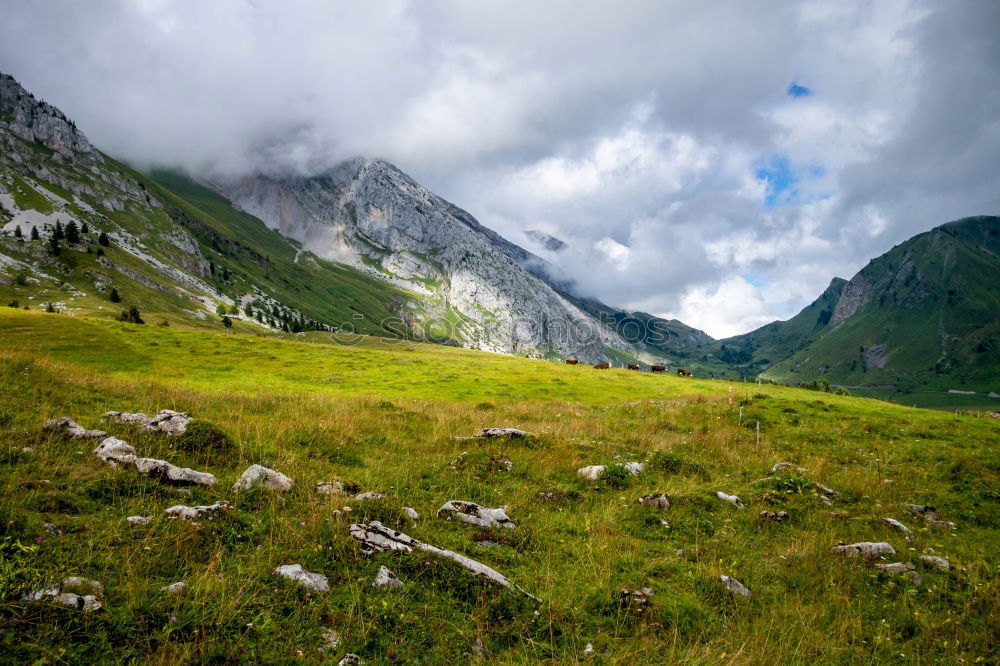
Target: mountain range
363	248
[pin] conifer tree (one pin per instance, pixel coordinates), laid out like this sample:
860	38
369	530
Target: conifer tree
113	296
227	322
58	234
34	233
85	229
104	240
72	233
17	232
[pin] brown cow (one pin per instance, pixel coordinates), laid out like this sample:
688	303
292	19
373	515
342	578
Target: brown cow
633	366
602	366
681	372
657	368
572	361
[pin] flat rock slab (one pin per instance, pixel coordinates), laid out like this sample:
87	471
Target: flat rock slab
138	520
169	421
936	561
732	499
174	588
867	549
783	466
595	472
115	452
471	513
125	418
735	586
509	433
258	476
180	476
385	578
368	496
71	428
895	524
190	512
377	538
659	501
310	581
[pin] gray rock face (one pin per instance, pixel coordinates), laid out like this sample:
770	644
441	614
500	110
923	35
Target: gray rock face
115	452
866	549
367	213
181	476
385	578
70	427
168	421
259	476
34	120
595	472
471	513
310	581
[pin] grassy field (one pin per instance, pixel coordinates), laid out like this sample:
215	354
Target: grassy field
383	417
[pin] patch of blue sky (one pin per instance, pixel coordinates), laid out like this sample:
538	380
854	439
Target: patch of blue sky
754	279
781	178
798	90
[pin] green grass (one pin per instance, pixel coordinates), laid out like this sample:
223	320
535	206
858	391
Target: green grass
383	417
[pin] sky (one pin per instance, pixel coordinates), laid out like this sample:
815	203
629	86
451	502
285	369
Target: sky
716	162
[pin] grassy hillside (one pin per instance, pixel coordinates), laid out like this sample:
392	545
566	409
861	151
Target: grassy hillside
382	417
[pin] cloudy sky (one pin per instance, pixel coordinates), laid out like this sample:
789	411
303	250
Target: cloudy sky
718	162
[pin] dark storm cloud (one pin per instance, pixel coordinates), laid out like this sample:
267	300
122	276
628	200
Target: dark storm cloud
644	134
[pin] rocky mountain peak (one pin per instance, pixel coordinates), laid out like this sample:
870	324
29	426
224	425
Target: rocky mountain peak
32	119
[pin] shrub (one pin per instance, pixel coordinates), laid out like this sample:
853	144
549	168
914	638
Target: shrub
616	476
205	438
131	316
104	240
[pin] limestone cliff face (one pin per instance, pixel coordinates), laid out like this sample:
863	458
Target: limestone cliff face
484	291
34	120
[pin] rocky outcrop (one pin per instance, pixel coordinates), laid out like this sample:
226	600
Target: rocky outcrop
896	525
329	488
471	513
258	476
169	422
636	601
33	120
508	433
595	472
115	452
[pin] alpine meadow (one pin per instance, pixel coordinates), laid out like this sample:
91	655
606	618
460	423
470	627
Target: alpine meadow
266	398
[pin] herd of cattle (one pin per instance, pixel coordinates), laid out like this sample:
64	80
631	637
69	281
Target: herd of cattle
681	372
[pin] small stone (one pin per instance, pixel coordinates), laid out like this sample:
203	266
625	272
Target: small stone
168	421
735	586
52	529
825	490
411	513
773	516
895	567
469	512
637	601
70	427
310	581
509	433
732	499
330	488
588	649
138	520
174	588
115	452
368	496
351	659
385	578
592	473
259	476
936	561
659	501
866	549
329	640
896	525
190	512
782	466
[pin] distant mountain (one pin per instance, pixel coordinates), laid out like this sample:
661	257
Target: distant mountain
550	243
923	317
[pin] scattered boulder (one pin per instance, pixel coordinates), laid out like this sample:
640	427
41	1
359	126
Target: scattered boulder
735	586
115	452
190	512
782	466
595	472
866	549
385	578
351	659
904	569
329	488
930	516
124	418
70	427
936	561
310	581
138	520
732	499
636	601
509	433
368	496
471	513
181	476
825	490
259	476
174	588
52	529
773	516
169	421
896	525
377	538
411	513
659	501
74	592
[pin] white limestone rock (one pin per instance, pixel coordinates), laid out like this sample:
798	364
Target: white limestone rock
169	422
259	476
310	581
385	578
411	513
125	418
469	512
507	433
174	588
115	452
329	488
138	520
732	499
191	512
71	428
659	501
936	561
181	476
896	525
868	550
735	586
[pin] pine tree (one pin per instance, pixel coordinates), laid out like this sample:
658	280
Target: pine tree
72	233
54	248
211	267
34	233
85	229
17	232
104	240
58	234
131	316
113	296
50	308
